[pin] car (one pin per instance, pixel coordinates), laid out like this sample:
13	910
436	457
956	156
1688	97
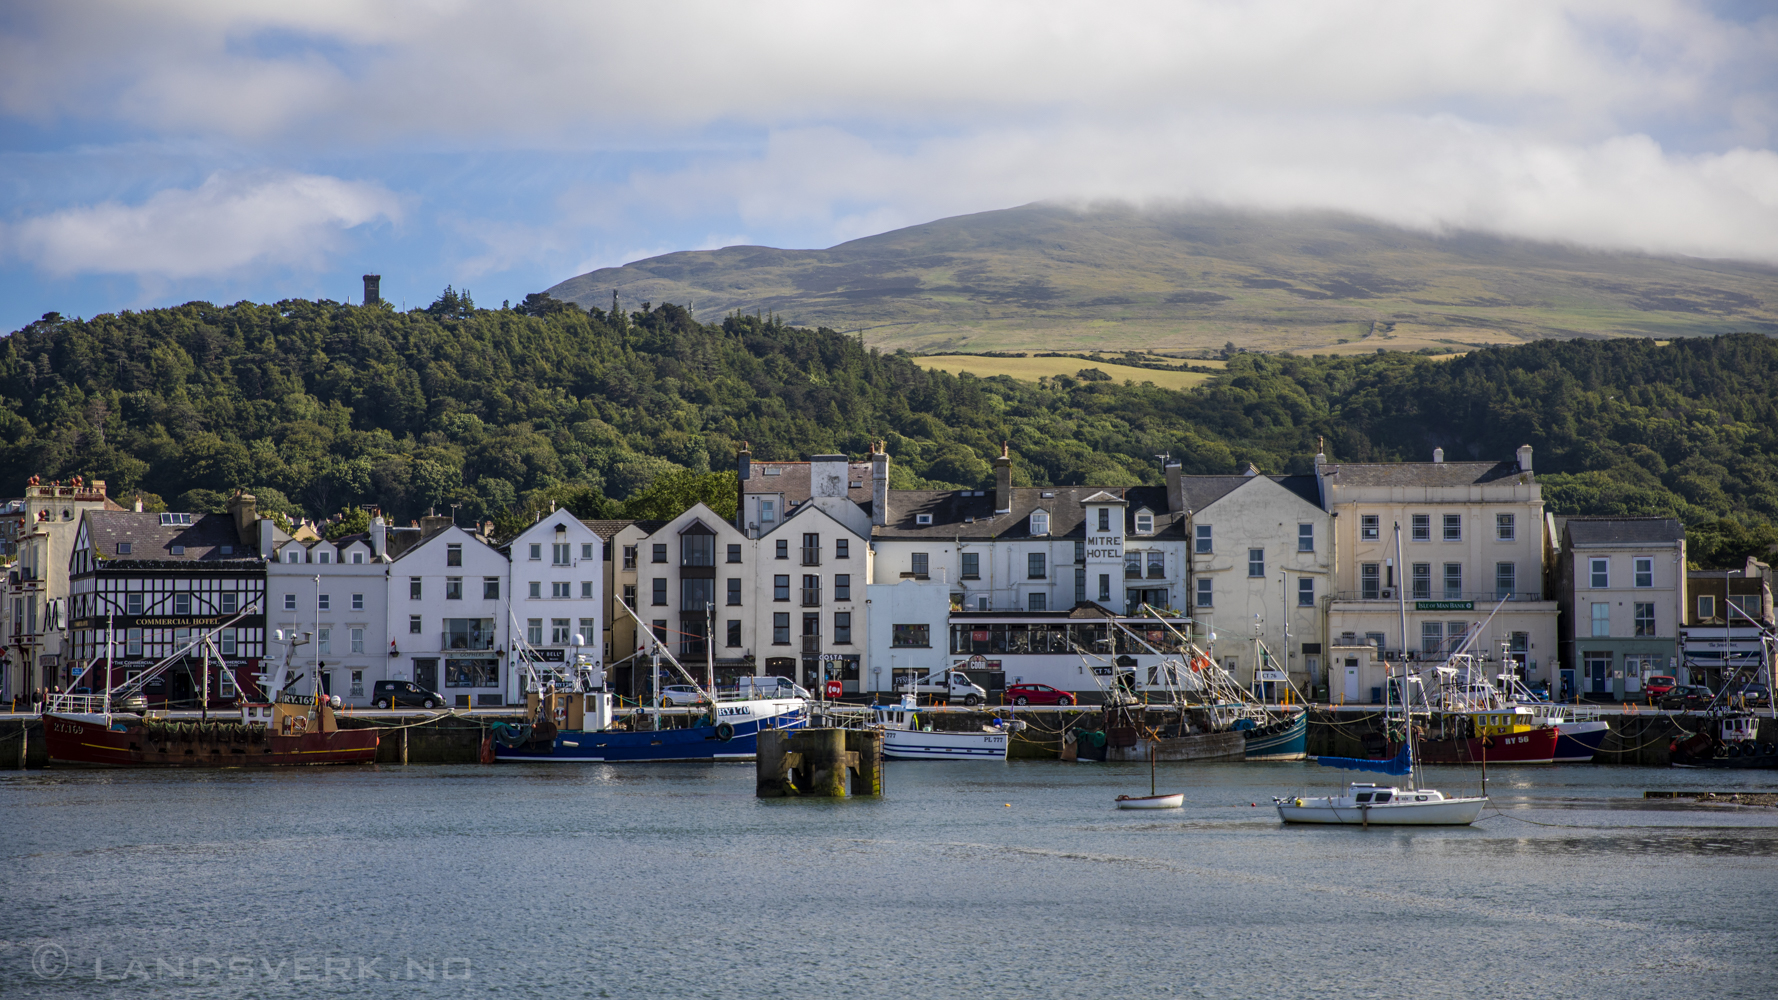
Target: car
681	694
1755	694
1687	697
395	694
1657	685
1037	694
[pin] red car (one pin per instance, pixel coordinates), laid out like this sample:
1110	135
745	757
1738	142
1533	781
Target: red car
1037	694
1656	686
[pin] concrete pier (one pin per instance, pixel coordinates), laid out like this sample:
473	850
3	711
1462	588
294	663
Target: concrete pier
819	763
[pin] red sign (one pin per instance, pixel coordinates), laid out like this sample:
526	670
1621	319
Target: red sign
835	689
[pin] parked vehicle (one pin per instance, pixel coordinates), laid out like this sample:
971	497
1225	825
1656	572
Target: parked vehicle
1688	697
1037	694
769	687
396	694
681	695
946	685
1755	694
1656	686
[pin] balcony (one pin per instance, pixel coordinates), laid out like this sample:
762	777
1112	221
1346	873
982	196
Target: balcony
811	557
1481	598
811	644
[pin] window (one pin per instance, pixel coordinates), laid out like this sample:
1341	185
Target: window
588	633
1422	528
1104	518
1157	565
291	555
1040	523
781	587
535	590
811	549
659	552
123	549
1080	551
357	637
182	604
629	597
629	557
1205	592
357	602
1706	607
229	648
1037	602
1370	581
1369	527
734	552
782	551
560	588
1453	527
1644	567
1602	619
1305	538
491	588
768	513
842	586
1599	572
413	588
231	603
1645	621
811	590
910	635
586	550
917	564
1256	562
133	603
659	596
1104	586
357	557
324	640
324	602
586	589
1505	527
323	558
1080	585
842	548
659	629
1506	579
1453	581
536	552
1454	633
842	627
560	632
1036	566
972	566
1432	637
413	624
1305	592
734	592
132	641
697	549
289	602
1144	523
558	552
694	594
922	518
734	633
780	628
454	554
1132	565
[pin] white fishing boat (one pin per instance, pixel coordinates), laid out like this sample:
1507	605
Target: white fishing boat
904	737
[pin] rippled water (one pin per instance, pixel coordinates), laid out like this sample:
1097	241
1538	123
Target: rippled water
966	879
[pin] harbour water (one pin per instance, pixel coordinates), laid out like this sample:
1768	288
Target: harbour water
966	879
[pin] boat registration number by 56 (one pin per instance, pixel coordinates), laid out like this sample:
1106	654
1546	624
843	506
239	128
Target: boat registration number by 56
1516	739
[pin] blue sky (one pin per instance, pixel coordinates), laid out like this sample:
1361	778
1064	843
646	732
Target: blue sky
154	154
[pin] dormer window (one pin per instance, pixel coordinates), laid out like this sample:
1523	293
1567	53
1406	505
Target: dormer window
293	556
922	518
1040	522
1144	522
123	548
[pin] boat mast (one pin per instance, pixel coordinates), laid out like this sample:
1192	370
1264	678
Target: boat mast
110	635
1407	716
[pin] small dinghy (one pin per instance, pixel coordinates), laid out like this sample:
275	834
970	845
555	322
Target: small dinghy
1173	800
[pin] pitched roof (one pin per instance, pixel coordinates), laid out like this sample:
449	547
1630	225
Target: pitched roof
1430	475
970	513
792	479
1623	530
149	539
607	529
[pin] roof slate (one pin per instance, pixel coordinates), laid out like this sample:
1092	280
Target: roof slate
202	539
792	480
1623	530
1431	475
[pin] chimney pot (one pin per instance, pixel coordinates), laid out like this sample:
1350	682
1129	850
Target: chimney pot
1524	458
1438	456
879	485
1003	481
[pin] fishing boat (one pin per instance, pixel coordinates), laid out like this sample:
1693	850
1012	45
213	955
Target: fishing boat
1365	803
290	729
1728	740
904	738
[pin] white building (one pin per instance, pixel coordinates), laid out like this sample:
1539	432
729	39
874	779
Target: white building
338	592
448	608
1621	583
669	572
39	530
558	589
811	570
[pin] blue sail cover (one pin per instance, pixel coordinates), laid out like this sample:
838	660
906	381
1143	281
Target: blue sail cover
1398	765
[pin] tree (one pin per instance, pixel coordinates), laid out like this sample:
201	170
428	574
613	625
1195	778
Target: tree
355	521
673	493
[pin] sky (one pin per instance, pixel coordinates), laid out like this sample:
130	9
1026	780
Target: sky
153	154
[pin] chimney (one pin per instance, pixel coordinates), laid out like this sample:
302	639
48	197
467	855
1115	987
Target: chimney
379	536
1524	458
432	524
244	508
1320	453
743	472
1175	487
373	289
879	485
1003	480
827	475
1438	456
138	503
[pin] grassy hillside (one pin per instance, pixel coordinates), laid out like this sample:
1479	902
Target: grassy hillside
1049	278
1032	369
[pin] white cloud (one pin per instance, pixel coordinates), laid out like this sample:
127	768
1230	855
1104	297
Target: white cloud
231	222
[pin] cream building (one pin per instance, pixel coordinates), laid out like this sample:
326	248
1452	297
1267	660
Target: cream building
1472	538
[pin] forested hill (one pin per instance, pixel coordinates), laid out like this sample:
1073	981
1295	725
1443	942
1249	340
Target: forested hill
320	405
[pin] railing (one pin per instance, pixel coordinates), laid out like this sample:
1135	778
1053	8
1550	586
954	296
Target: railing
811	557
811	598
75	704
811	644
1481	597
459	640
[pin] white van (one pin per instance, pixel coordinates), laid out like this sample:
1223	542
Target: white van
949	685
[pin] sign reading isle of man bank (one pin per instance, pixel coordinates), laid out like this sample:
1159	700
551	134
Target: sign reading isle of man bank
1444	605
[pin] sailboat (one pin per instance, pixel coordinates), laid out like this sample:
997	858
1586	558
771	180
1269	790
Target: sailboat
1365	803
1153	800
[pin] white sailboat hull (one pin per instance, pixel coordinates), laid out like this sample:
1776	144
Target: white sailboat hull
1441	812
907	744
1173	801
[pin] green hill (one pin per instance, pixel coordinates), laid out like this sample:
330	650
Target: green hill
1046	277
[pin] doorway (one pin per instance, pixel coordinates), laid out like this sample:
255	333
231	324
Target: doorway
426	674
1351	694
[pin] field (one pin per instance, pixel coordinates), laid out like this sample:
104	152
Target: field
1051	278
1032	369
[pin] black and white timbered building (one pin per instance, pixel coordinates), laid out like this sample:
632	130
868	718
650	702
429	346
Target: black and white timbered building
155	579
